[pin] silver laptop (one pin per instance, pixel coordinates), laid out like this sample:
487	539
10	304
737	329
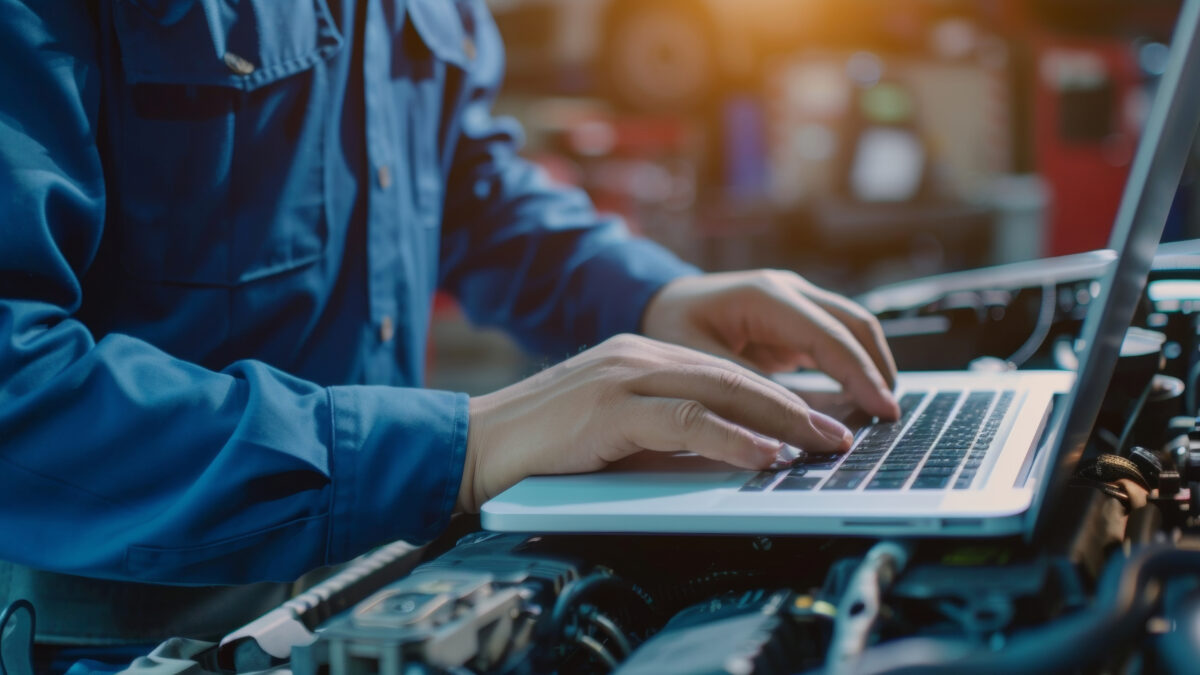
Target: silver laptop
972	454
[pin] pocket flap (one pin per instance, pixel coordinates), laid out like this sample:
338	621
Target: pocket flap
243	45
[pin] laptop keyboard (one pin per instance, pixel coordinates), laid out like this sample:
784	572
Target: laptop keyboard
939	446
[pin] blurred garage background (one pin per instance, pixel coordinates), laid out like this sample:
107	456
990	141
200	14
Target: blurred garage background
858	142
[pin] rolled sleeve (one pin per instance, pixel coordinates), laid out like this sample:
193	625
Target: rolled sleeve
619	280
397	461
526	254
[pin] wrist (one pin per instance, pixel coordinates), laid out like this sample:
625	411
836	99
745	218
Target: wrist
482	435
468	501
661	311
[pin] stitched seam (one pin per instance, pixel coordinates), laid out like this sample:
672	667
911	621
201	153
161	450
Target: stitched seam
334	479
226	541
62	482
139	559
460	423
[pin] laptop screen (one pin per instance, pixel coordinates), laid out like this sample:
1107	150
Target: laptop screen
1149	191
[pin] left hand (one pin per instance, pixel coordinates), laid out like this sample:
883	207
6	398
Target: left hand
775	321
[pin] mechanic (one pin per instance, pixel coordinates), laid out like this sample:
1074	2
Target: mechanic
223	226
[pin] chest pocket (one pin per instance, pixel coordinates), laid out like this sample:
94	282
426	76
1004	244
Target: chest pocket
219	140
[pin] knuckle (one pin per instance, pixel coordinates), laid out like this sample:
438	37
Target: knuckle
786	276
769	280
736	440
866	319
852	309
787	279
731	383
620	343
799	409
619	350
840	333
689	416
611	361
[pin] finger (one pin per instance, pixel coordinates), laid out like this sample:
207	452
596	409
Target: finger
668	425
759	358
709	346
749	401
773	359
796	320
688	356
862	324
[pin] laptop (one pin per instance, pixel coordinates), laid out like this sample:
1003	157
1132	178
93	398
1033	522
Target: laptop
973	454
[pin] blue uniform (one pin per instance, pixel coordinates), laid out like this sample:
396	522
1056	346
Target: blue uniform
221	227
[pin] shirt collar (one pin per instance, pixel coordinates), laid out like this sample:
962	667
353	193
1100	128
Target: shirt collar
440	27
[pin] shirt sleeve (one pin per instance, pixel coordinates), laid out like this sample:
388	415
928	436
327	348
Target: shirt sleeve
526	254
118	460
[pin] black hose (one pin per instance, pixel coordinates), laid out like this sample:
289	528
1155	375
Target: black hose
21	662
1121	606
593	645
609	628
578	591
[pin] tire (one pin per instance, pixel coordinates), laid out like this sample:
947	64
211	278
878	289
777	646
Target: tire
658	56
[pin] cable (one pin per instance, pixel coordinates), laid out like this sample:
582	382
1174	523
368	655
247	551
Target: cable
1040	330
577	591
593	645
561	622
10	624
1124	600
1189	392
608	627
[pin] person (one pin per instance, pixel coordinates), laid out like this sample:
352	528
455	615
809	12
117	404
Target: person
222	228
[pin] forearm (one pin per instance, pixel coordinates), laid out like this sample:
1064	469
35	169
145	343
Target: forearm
126	463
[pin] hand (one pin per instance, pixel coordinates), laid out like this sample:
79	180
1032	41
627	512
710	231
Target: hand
776	321
627	395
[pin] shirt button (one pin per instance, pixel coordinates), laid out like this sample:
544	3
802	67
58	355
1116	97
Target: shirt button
386	329
238	64
469	48
384	177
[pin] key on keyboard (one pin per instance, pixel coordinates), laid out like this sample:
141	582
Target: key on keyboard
944	444
872	446
941	444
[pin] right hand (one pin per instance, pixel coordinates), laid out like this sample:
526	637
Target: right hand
627	395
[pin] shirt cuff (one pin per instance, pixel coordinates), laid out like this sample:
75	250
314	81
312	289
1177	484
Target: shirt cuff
625	277
397	463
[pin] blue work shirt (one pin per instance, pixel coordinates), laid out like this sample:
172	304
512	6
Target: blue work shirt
222	227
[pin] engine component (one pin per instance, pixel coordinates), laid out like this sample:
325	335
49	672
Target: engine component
476	607
860	605
748	633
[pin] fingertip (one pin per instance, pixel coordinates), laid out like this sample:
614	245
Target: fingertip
836	436
847	441
889	377
880	402
766	451
892	406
